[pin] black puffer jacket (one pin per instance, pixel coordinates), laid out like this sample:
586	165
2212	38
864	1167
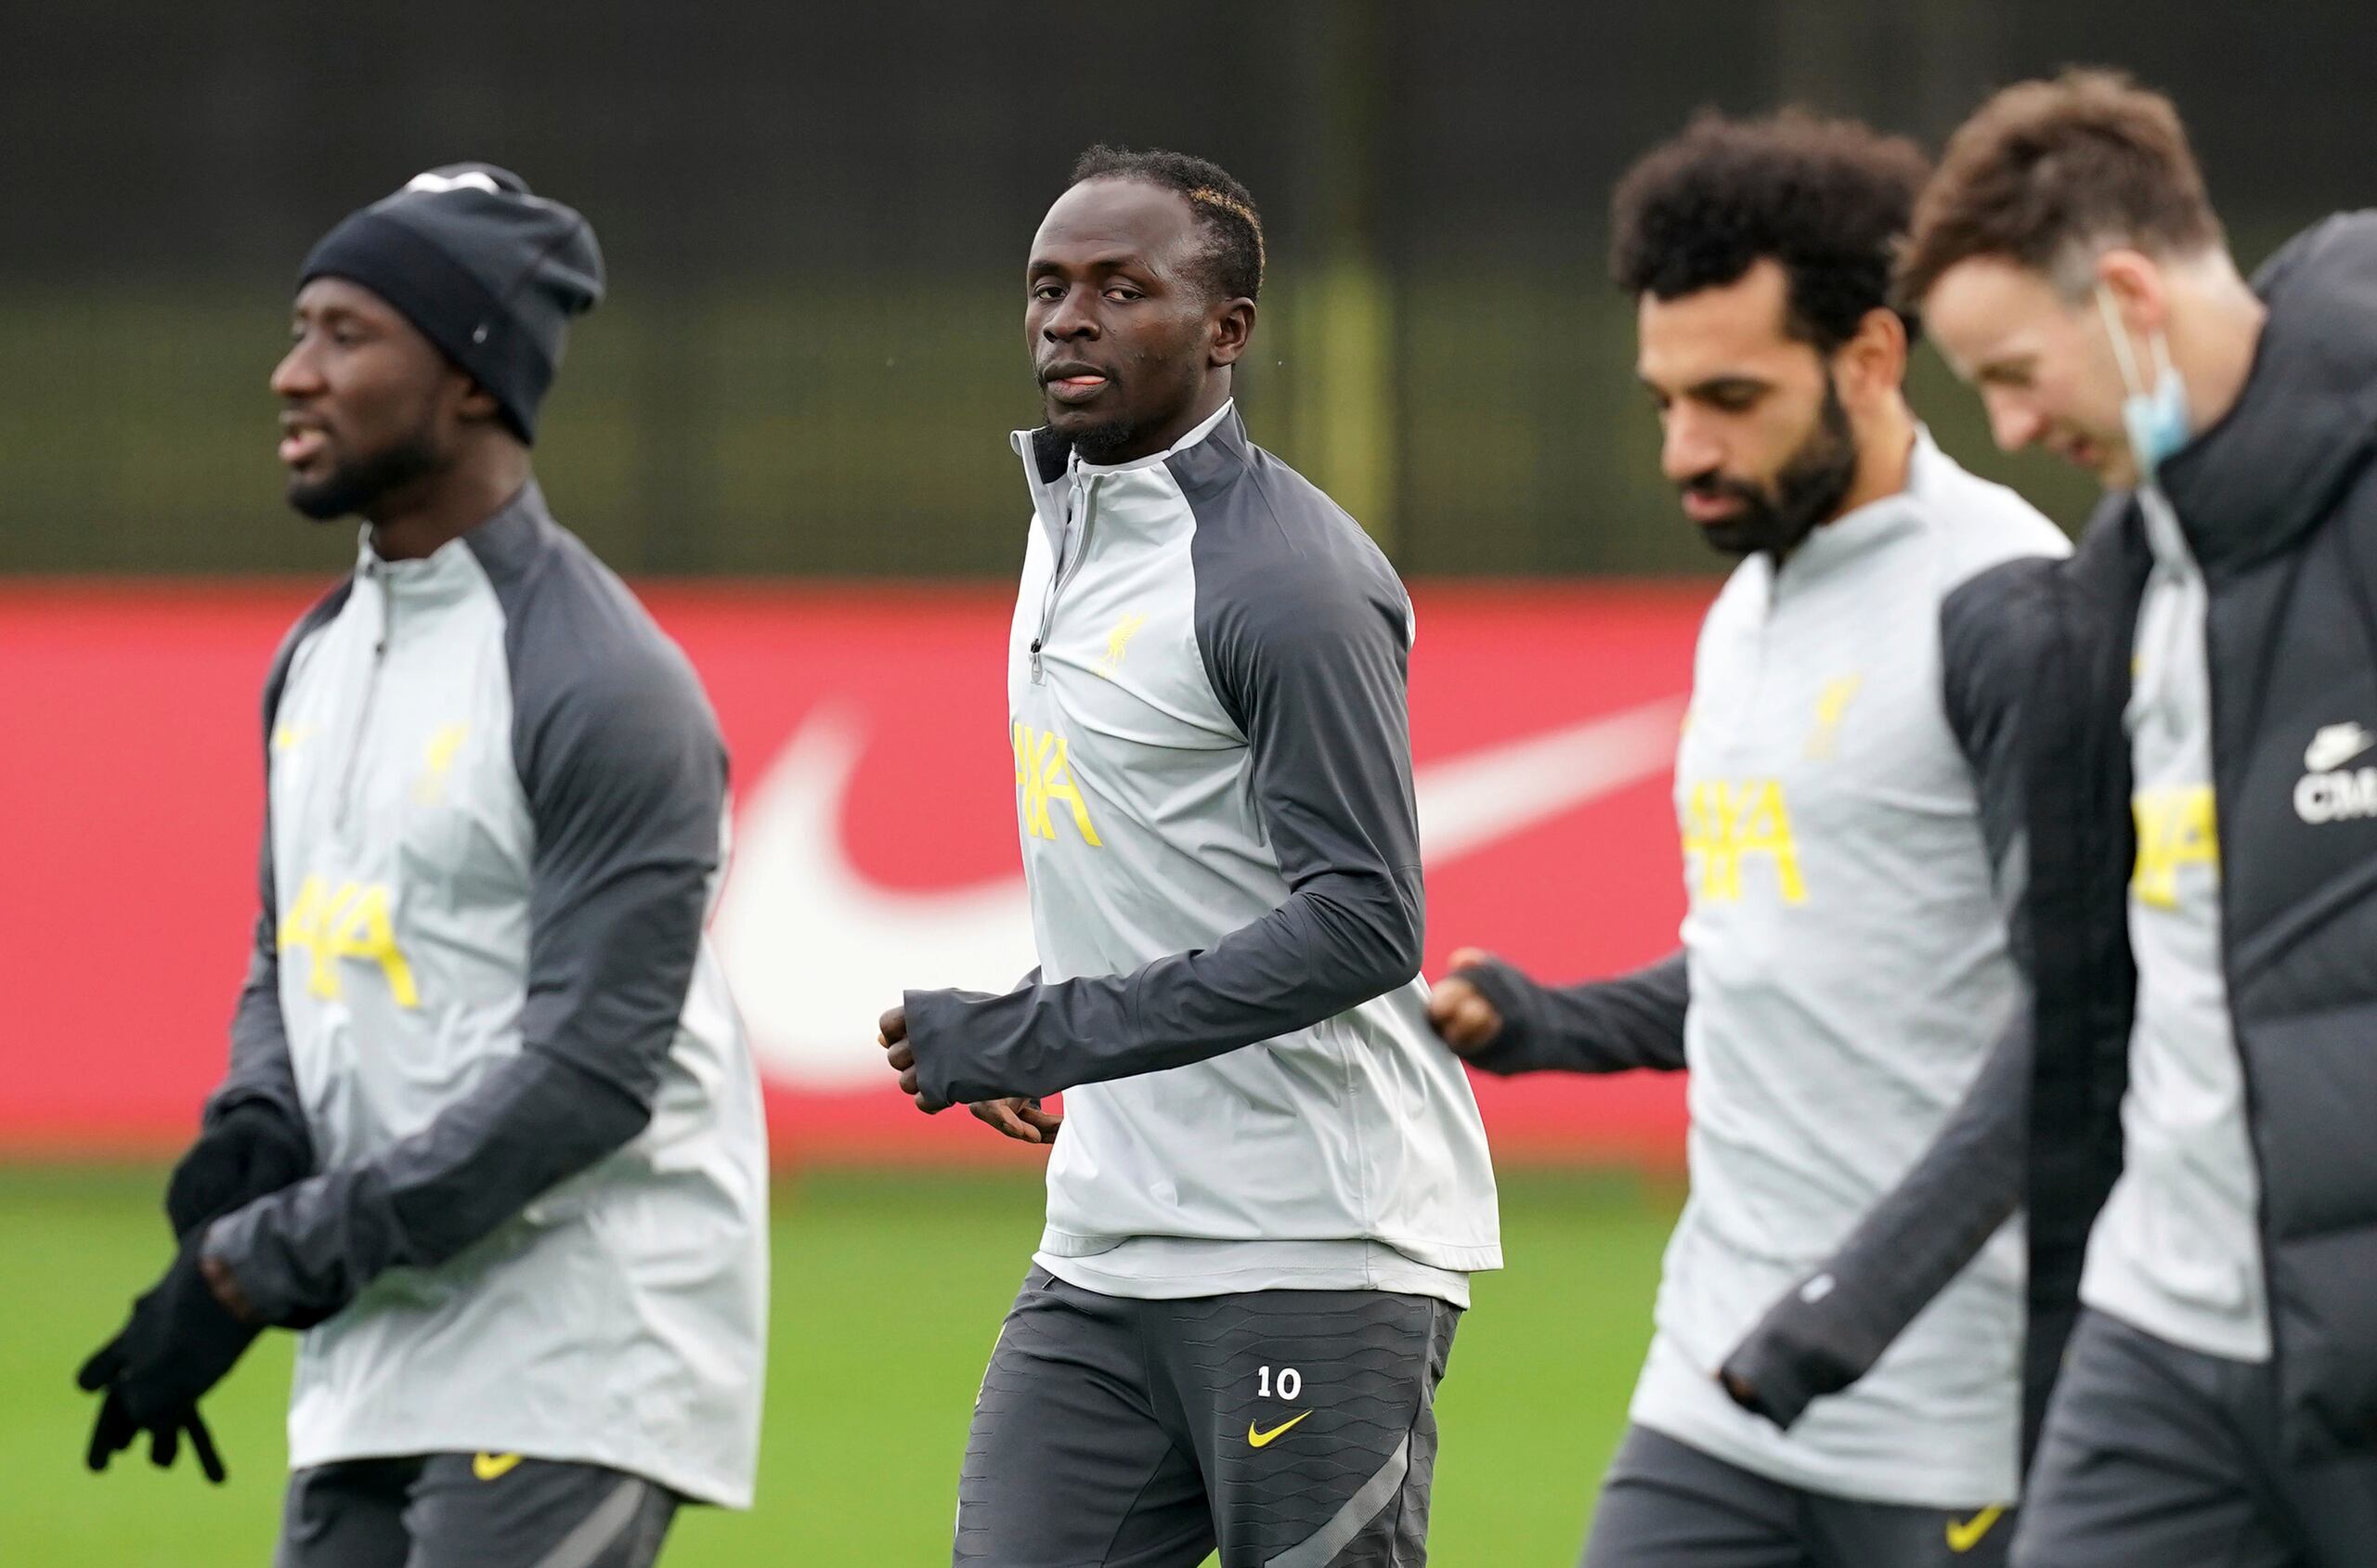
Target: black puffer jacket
2279	502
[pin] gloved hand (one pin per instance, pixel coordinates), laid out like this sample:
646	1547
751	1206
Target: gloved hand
247	1152
179	1343
1489	1011
116	1430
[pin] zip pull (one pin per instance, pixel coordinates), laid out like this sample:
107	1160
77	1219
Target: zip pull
1067	563
364	710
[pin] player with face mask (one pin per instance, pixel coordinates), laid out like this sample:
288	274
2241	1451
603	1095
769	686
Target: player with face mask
1845	967
2194	693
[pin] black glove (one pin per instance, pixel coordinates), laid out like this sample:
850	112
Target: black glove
1809	1345
249	1151
1518	1000
116	1430
179	1343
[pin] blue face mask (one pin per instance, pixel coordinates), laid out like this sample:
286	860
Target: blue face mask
2156	420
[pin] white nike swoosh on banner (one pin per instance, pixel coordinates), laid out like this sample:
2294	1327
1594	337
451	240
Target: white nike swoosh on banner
815	952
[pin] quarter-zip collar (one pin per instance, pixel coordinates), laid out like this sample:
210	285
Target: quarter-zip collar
453	569
1054	472
1073	500
387	593
1830	546
1204	428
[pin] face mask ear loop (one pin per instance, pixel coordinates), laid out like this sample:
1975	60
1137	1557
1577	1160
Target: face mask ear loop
2123	354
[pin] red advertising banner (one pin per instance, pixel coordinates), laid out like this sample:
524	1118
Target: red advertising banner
875	835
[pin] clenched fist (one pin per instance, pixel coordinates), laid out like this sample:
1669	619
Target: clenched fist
1462	1016
900	1056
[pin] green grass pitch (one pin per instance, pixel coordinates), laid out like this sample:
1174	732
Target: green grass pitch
888	1289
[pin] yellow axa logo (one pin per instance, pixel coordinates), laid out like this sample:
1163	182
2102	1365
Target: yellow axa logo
1262	1439
1044	774
2175	829
351	922
493	1467
1963	1536
1726	820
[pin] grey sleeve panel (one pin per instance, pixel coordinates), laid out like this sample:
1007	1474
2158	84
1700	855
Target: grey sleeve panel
1829	1330
1632	1021
625	776
1985	669
1305	633
625	773
260	1069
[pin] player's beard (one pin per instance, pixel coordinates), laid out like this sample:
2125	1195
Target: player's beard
352	487
1109	439
1101	443
1807	490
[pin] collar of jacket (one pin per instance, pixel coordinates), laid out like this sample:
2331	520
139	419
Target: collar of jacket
1198	470
1048	455
503	542
2269	469
1830	546
1213	462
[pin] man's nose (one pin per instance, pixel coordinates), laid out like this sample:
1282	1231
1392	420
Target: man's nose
1072	317
2013	424
296	375
1687	448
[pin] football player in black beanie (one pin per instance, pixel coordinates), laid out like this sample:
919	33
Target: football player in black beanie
491	1136
436	319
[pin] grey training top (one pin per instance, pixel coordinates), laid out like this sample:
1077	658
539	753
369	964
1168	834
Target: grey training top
1214	781
1846	970
2178	1250
495	822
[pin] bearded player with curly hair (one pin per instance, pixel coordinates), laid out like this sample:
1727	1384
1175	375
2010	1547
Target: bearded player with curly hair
1845	969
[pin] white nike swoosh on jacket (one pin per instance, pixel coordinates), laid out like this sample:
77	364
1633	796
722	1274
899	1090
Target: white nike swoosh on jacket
815	952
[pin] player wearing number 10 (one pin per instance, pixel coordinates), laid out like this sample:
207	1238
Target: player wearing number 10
1271	1187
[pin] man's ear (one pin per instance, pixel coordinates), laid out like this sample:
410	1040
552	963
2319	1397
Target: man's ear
1873	362
478	404
2137	284
1230	326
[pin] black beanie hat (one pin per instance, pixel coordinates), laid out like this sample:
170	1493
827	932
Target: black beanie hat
489	272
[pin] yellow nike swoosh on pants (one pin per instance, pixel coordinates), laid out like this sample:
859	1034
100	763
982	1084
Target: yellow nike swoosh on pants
1964	1536
493	1467
1257	1439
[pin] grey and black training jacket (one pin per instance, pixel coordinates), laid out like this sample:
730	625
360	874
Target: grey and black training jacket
1206	678
495	821
2277	504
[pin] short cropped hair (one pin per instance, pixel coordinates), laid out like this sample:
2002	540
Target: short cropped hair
1826	199
2048	175
1232	266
